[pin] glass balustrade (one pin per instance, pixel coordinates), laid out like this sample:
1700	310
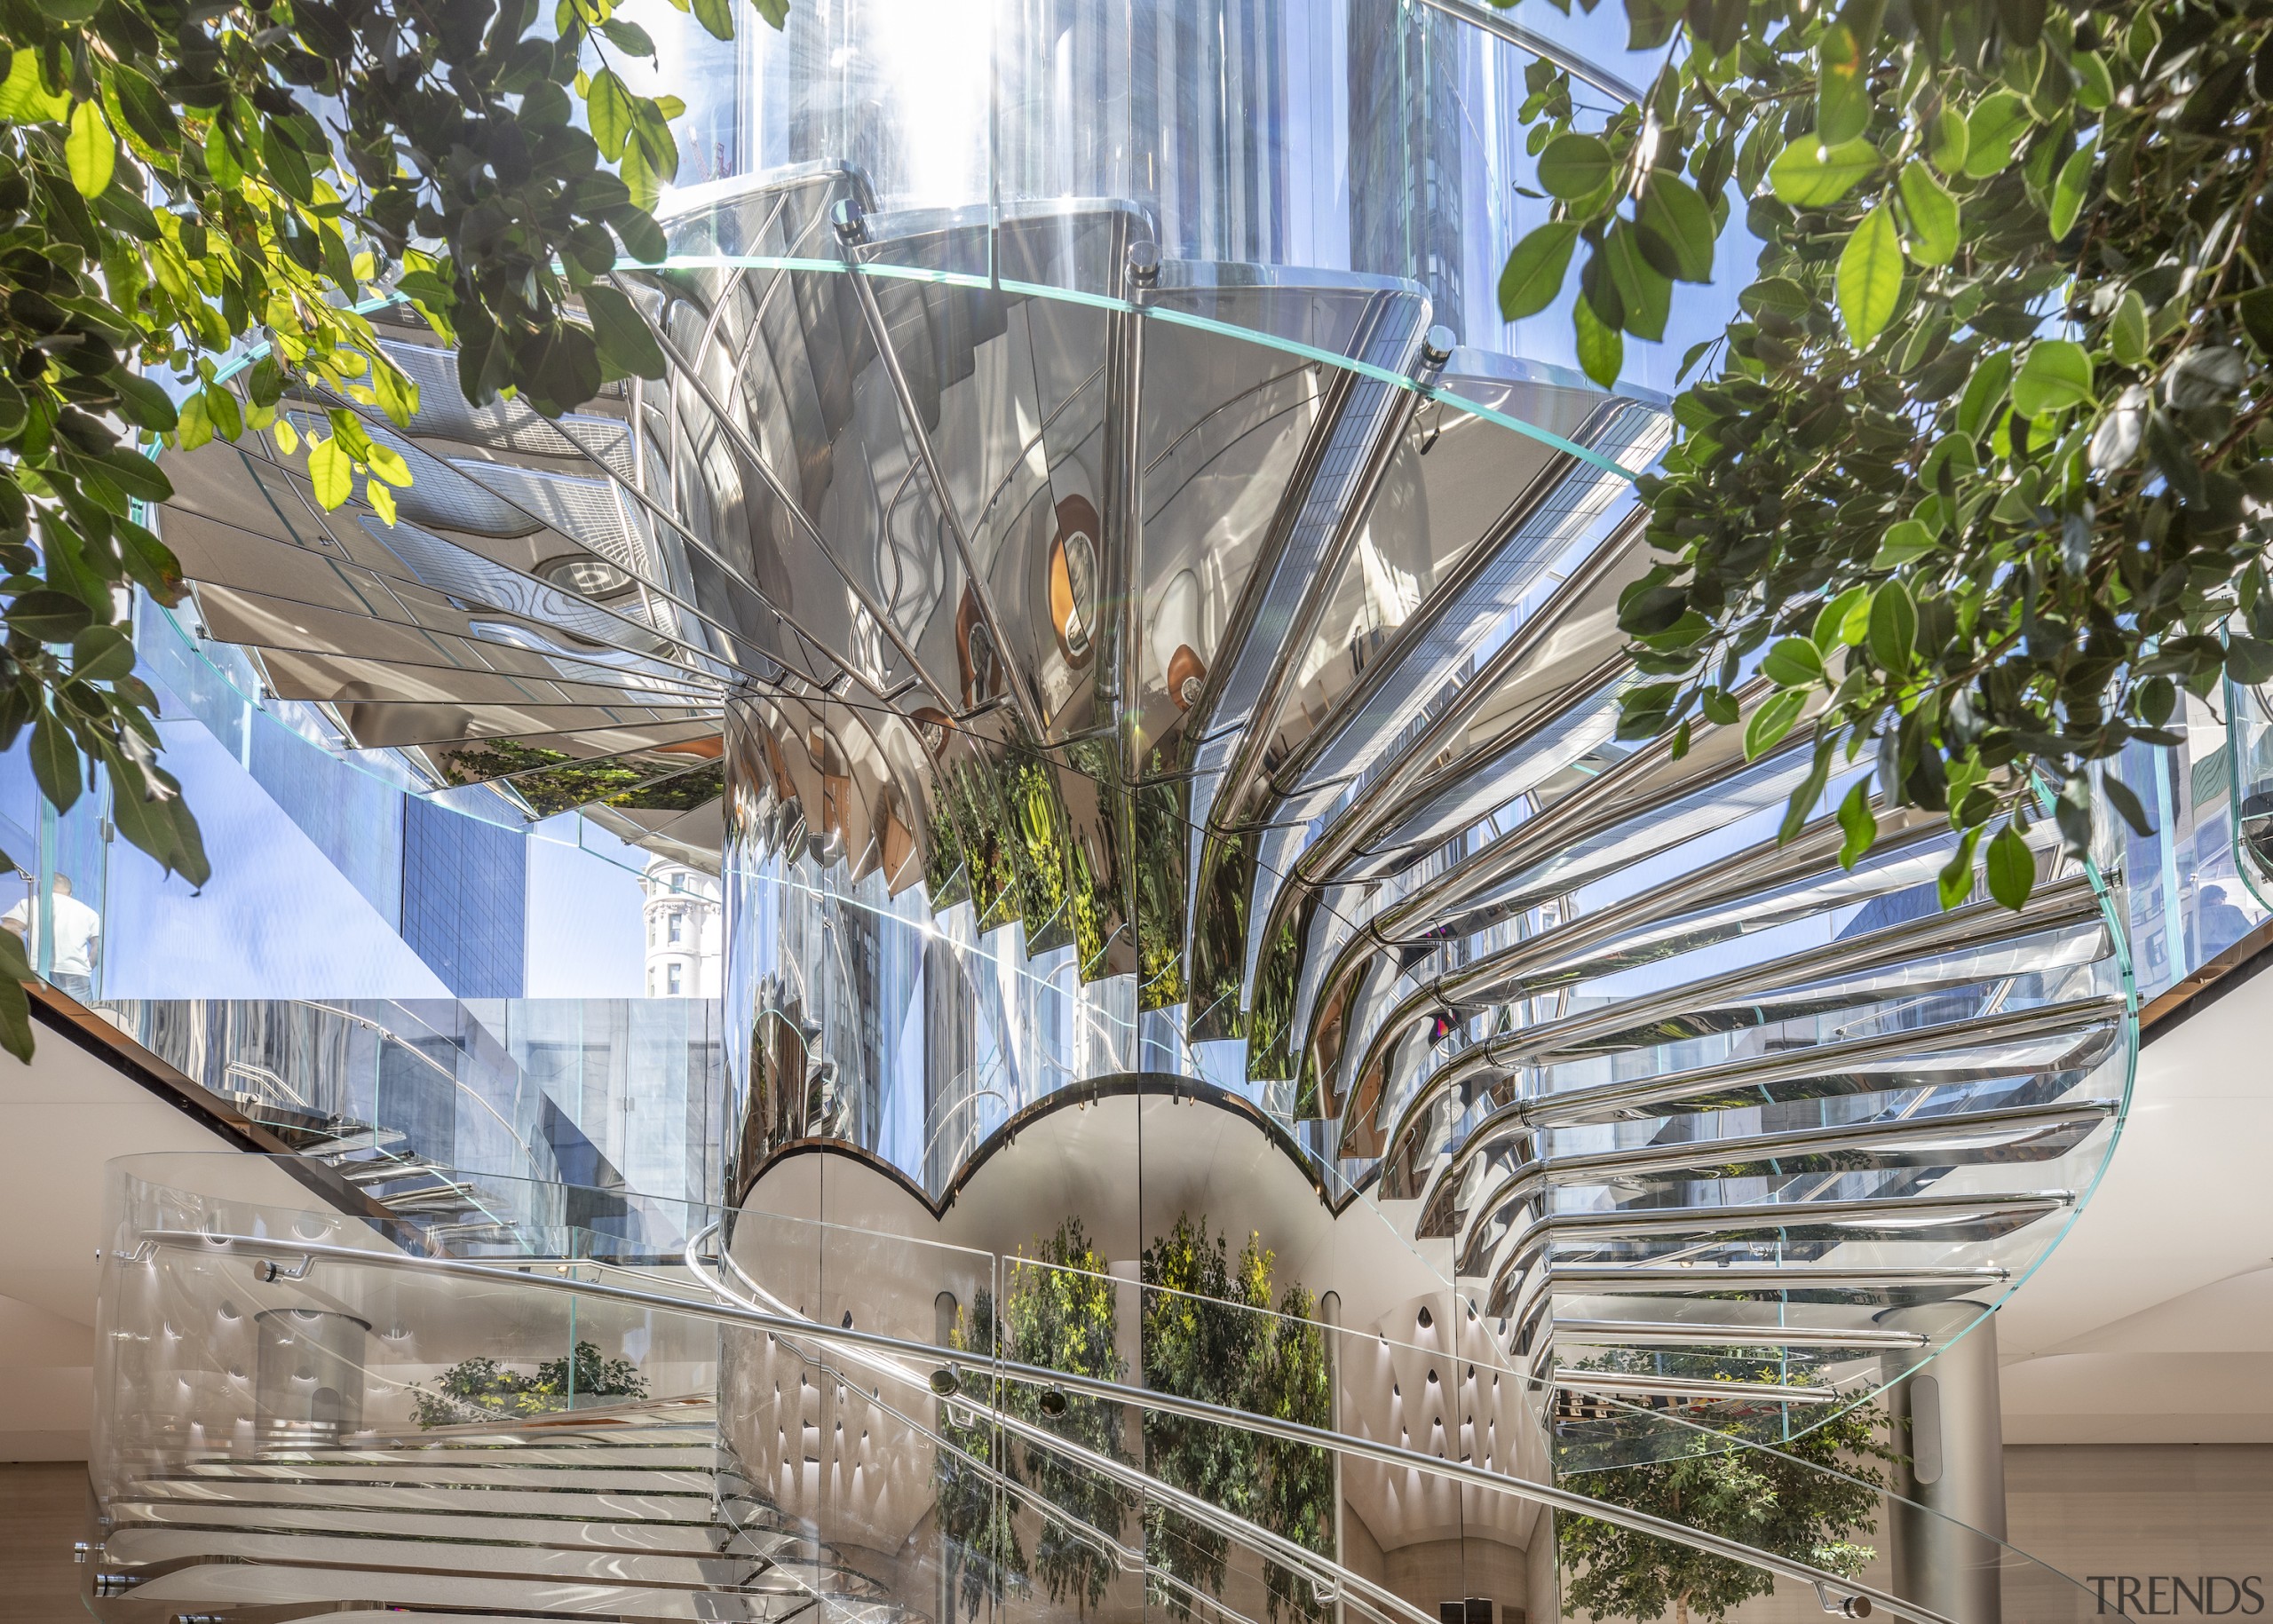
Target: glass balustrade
908	1426
1657	1113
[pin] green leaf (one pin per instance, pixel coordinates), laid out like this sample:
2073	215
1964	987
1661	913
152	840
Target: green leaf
1771	722
101	654
612	111
1956	879
136	474
196	425
2068	191
25	97
1535	268
2126	328
1842	620
1946	150
1934	216
1870	276
1860	823
220	161
1904	543
150	562
1893	633
1807	175
1672	209
639	175
48	615
716	17
387	463
2057	374
641	237
2126	806
55	761
221	406
149	813
2248	661
1795	662
15	1004
1575	165
91	150
1602	353
331	471
287	164
628	36
625	340
1800	806
1983	393
2012	868
1642	287
397	390
1842	86
143	401
1994	127
145	111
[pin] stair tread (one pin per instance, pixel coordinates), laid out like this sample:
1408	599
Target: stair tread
389	1552
242	1584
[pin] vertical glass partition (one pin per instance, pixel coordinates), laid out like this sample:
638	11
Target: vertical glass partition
999	1456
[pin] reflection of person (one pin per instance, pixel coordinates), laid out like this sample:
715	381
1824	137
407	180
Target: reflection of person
78	930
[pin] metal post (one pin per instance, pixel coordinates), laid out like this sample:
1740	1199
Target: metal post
1330	1309
307	1376
1948	1546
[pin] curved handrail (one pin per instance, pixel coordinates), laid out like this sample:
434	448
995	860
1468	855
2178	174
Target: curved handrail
1826	1585
1122	1556
536	1170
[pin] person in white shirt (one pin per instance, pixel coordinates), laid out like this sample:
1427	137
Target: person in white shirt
78	934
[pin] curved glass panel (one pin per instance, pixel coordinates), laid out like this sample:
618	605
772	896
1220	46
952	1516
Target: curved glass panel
897	1442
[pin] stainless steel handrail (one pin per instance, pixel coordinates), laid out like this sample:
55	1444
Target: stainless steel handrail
1375	1600
1828	1585
1122	1556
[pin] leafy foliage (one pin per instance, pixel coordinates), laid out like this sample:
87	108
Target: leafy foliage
1782	1499
552	781
478	1390
1202	1339
169	193
1978	483
977	1521
1209	1334
1061	1312
1063	1315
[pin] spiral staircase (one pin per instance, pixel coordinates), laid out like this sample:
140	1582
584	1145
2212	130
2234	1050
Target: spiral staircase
1234	634
619	1513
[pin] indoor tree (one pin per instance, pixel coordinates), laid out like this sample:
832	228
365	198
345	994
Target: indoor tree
1971	488
1060	1312
182	182
1210	1333
1806	1498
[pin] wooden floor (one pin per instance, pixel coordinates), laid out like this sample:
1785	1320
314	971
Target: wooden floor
43	1511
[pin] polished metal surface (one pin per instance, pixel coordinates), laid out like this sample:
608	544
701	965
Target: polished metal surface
1106	664
908	1361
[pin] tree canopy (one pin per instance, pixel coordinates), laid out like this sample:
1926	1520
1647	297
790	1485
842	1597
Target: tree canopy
1806	1498
180	181
1973	485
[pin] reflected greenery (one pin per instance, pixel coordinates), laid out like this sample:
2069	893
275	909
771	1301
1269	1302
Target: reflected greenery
1807	1498
478	1390
1209	1334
